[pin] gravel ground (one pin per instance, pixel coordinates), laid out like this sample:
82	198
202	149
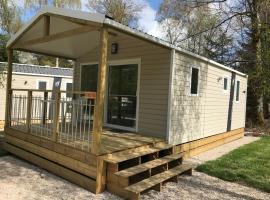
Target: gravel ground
20	180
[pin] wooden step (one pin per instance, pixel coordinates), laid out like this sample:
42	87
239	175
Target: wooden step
148	166
155	182
123	156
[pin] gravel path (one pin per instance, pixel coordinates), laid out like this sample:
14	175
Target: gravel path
20	180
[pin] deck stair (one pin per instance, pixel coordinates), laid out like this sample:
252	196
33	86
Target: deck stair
131	173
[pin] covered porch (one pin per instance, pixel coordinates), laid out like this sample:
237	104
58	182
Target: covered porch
75	118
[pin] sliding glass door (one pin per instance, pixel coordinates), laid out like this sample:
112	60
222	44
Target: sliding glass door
122	95
121	104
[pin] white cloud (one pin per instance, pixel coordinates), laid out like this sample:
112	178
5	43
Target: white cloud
147	20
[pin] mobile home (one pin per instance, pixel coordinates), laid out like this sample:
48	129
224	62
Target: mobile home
27	76
152	102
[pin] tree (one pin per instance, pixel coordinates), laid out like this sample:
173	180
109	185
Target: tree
181	20
244	17
38	4
10	20
123	11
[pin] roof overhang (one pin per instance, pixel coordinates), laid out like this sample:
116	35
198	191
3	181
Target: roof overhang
71	33
76	33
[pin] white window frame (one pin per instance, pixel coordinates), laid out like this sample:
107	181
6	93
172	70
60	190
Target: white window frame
113	63
190	81
235	90
41	80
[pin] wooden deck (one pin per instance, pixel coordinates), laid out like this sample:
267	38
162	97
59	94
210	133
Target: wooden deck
112	140
127	164
75	164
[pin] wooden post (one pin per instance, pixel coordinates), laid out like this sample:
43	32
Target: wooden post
56	116
29	111
101	86
8	88
101	175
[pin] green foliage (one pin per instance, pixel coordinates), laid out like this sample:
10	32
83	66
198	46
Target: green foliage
10	20
51	61
3	52
249	165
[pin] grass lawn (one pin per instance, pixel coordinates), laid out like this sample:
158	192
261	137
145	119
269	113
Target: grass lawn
248	165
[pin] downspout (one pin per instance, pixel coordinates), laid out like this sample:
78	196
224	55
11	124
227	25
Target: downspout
230	110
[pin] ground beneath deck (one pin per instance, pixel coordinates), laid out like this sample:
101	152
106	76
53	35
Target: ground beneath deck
20	180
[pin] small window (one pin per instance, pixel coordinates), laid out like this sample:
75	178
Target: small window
237	90
194	81
69	90
225	83
42	85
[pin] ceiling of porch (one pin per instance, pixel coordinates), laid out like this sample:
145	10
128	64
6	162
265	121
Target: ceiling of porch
59	36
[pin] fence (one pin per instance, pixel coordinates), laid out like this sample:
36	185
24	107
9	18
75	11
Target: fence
59	116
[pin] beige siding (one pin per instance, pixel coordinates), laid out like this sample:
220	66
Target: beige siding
154	80
238	116
27	82
194	117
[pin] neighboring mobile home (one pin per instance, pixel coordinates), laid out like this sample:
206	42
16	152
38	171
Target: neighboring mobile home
27	76
152	101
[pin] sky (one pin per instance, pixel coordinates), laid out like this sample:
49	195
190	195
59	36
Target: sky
147	17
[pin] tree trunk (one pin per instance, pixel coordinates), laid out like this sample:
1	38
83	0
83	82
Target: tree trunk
256	24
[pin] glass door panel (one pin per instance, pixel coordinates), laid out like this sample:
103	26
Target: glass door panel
122	98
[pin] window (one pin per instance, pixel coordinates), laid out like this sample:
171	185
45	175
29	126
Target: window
225	83
42	85
237	91
89	74
69	89
194	82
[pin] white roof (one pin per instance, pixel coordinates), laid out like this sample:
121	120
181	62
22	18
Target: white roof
70	47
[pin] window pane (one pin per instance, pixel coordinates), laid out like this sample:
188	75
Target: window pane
194	81
89	78
42	85
225	84
122	89
69	89
237	90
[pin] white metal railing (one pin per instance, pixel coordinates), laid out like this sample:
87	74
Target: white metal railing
66	119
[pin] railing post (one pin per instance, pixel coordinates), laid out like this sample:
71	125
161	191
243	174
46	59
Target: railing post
56	116
45	107
8	89
29	111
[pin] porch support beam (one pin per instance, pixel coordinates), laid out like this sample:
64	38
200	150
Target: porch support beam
8	87
56	36
101	86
